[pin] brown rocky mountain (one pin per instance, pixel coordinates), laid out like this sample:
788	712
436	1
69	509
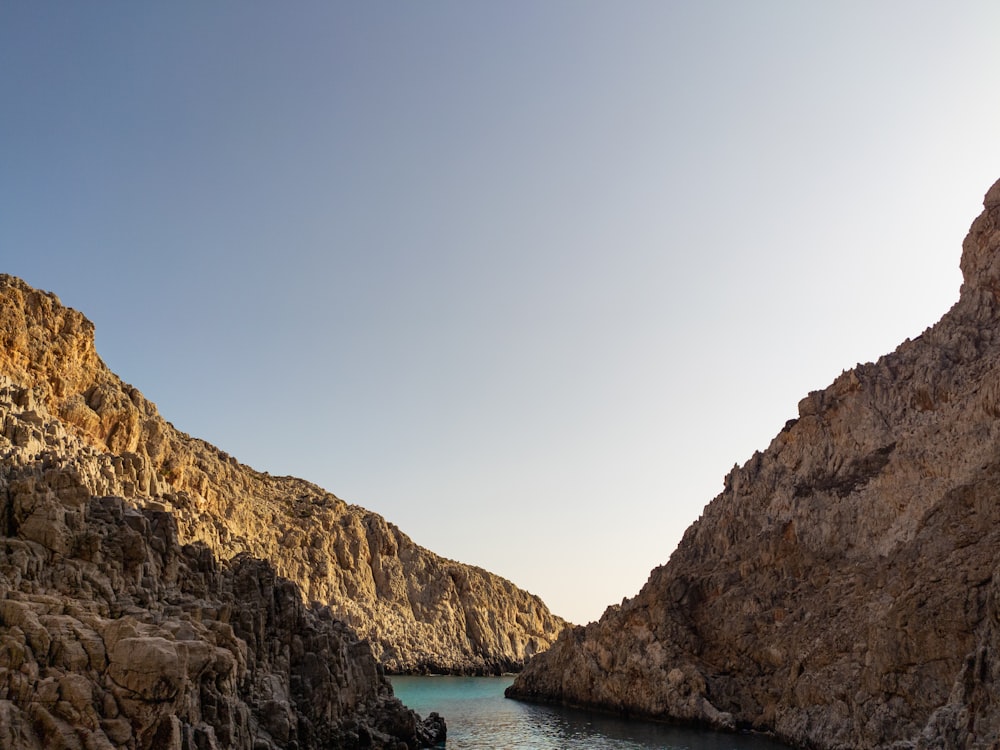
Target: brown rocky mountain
114	635
420	612
156	593
844	589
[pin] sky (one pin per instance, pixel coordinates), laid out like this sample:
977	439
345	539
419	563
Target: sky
526	278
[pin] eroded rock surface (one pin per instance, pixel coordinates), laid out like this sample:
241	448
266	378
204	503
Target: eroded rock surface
115	635
421	612
842	591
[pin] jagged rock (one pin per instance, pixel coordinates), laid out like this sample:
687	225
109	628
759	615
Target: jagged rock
842	590
115	635
420	612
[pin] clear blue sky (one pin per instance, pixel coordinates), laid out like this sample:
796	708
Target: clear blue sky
527	278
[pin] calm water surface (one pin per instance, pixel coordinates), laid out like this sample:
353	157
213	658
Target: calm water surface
480	718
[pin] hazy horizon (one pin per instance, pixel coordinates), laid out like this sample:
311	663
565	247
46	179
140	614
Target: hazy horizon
527	279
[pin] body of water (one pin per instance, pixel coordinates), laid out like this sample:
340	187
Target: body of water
480	718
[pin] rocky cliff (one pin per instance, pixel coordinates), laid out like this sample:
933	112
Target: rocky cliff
420	611
114	635
844	588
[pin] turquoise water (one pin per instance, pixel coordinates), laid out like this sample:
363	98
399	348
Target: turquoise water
480	718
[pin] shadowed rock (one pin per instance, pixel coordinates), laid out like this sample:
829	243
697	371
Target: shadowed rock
114	635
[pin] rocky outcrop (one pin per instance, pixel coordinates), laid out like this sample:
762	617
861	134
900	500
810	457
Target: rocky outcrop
842	591
420	612
114	635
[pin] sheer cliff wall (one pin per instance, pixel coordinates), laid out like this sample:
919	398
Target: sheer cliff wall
844	588
421	612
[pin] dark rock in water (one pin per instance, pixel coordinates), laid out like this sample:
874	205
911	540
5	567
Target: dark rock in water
434	730
844	589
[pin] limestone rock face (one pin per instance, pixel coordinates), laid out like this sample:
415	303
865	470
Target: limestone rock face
114	635
842	591
420	612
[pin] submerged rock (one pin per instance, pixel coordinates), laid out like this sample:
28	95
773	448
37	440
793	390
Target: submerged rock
842	591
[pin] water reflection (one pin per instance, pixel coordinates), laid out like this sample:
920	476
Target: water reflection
480	717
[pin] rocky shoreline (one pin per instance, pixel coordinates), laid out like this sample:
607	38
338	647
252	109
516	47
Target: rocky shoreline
843	591
156	593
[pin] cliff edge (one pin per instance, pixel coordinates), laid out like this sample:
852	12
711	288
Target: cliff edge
420	612
844	588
